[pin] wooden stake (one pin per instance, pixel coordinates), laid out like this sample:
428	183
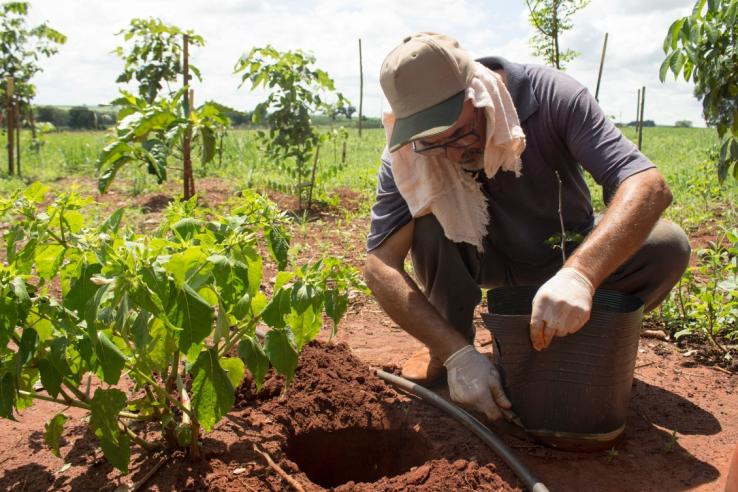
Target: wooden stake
187	138
10	121
18	125
312	178
361	88
638	112
640	126
599	75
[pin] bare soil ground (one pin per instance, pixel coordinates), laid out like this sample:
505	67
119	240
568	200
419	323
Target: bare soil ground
339	426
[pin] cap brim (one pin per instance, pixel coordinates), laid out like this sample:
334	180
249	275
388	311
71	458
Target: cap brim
426	123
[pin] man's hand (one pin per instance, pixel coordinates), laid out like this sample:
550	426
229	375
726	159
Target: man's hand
474	382
561	306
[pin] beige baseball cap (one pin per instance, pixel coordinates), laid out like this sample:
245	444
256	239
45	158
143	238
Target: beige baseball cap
425	80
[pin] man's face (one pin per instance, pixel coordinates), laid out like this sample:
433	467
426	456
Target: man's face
467	155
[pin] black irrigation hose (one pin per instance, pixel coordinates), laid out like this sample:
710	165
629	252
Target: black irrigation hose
474	425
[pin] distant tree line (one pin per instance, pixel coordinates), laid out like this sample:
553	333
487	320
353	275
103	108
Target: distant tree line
86	118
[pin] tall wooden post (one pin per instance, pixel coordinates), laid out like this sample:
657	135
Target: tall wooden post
361	88
9	116
189	187
640	126
638	113
18	126
599	75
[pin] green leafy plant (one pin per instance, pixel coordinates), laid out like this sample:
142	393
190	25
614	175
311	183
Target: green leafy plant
151	133
705	302
21	48
296	90
154	57
151	128
702	47
172	313
552	18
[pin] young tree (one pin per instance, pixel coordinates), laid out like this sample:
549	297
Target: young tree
296	90
155	55
21	48
551	18
153	128
702	47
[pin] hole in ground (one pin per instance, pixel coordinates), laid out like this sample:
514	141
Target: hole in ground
333	458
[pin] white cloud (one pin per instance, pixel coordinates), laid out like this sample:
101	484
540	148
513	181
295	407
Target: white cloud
84	71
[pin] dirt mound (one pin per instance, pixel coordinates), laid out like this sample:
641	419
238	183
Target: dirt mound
337	426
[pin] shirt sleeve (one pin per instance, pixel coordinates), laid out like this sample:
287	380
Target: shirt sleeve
598	145
390	211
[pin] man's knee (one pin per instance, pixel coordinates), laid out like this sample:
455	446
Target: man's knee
668	250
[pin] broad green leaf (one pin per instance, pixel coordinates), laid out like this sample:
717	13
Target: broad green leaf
72	220
279	246
7	396
279	347
282	279
112	223
48	260
51	378
258	303
301	297
256	360
111	358
27	380
335	307
81	289
186	228
28	346
105	406
53	430
304	325
234	368
274	313
665	65
36	192
193	315
207	144
212	392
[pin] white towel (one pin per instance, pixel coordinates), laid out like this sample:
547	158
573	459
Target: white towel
433	184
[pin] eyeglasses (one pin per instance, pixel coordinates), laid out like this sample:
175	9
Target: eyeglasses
460	142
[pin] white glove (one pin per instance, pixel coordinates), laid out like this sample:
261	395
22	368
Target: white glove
473	382
561	306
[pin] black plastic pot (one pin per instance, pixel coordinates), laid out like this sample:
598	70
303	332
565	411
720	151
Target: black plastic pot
574	394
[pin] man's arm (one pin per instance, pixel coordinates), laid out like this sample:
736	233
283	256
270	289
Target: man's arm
638	203
401	298
472	379
563	305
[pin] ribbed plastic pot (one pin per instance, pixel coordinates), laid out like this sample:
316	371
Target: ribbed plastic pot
575	393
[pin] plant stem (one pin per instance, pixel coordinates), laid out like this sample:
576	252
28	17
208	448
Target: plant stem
148	446
77	404
161	391
561	221
239	335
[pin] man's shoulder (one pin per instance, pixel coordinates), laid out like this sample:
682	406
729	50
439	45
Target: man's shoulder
549	81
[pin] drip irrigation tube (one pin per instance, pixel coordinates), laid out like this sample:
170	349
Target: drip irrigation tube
474	425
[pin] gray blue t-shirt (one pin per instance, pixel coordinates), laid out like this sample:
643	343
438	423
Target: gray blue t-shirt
565	131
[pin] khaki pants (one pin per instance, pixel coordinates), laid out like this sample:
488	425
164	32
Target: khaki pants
453	273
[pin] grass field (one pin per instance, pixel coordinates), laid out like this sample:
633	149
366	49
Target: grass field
682	154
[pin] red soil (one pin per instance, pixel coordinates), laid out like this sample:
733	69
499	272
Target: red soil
338	422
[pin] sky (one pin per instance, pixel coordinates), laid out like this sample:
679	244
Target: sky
85	69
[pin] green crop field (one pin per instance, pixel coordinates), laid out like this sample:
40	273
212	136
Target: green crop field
682	154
